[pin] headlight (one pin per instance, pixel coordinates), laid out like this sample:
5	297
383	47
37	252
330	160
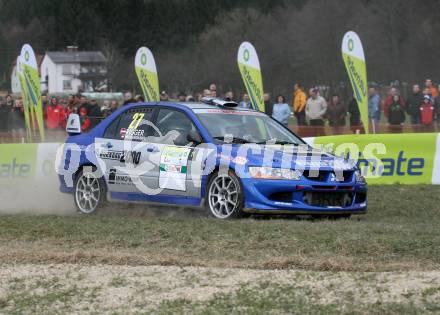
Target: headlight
274	173
359	177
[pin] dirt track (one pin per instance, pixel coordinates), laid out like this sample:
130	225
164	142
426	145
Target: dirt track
106	288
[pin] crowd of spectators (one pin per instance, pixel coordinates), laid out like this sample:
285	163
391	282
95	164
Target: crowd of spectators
420	111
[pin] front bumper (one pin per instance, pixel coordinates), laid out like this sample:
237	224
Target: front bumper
304	197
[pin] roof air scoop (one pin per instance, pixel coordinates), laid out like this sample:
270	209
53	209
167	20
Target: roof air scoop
218	102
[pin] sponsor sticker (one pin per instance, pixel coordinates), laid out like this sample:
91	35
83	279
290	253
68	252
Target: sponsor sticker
174	167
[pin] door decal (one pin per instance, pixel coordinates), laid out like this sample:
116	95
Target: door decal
174	167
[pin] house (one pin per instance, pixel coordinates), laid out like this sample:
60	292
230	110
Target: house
73	71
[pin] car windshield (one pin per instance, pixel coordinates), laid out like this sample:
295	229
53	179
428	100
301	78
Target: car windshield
244	127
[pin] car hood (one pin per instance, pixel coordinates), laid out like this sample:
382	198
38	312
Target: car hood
292	157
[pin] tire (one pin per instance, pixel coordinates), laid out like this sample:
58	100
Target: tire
89	191
224	199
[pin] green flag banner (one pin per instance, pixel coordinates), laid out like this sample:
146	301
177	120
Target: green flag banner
354	59
24	98
31	79
408	158
146	72
249	66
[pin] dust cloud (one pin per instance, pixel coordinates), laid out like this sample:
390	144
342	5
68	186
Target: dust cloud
34	196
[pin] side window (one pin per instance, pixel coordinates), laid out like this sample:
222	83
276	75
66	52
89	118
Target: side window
110	132
174	125
134	124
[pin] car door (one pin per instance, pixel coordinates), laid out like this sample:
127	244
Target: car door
122	151
176	154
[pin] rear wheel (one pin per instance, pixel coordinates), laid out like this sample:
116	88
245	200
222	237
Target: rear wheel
89	191
225	196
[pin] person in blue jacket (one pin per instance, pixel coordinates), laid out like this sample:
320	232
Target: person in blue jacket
281	110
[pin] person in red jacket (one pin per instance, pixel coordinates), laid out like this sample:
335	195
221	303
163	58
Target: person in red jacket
84	118
427	114
55	115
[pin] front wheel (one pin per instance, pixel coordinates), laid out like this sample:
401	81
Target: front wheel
225	196
89	192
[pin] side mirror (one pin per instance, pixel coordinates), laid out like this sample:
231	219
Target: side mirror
73	126
194	137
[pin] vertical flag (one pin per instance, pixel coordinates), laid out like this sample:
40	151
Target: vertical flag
31	79
354	59
24	98
249	66
146	72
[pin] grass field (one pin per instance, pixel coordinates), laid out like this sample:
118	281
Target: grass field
398	239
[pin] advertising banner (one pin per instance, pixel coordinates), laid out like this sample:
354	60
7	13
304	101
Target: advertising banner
146	72
17	162
26	103
354	59
384	159
398	158
29	70
249	66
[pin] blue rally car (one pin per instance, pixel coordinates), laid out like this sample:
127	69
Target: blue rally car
214	155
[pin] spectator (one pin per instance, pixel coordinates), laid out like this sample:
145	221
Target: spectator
427	114
374	108
16	121
128	98
229	96
213	89
355	117
413	106
281	111
432	90
9	101
336	113
83	103
164	96
390	99
70	99
268	106
198	97
4	114
114	105
77	100
94	113
139	99
316	108
207	93
68	109
84	119
245	103
190	98
396	114
44	101
55	115
181	97
436	104
299	100
74	102
109	108
105	109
